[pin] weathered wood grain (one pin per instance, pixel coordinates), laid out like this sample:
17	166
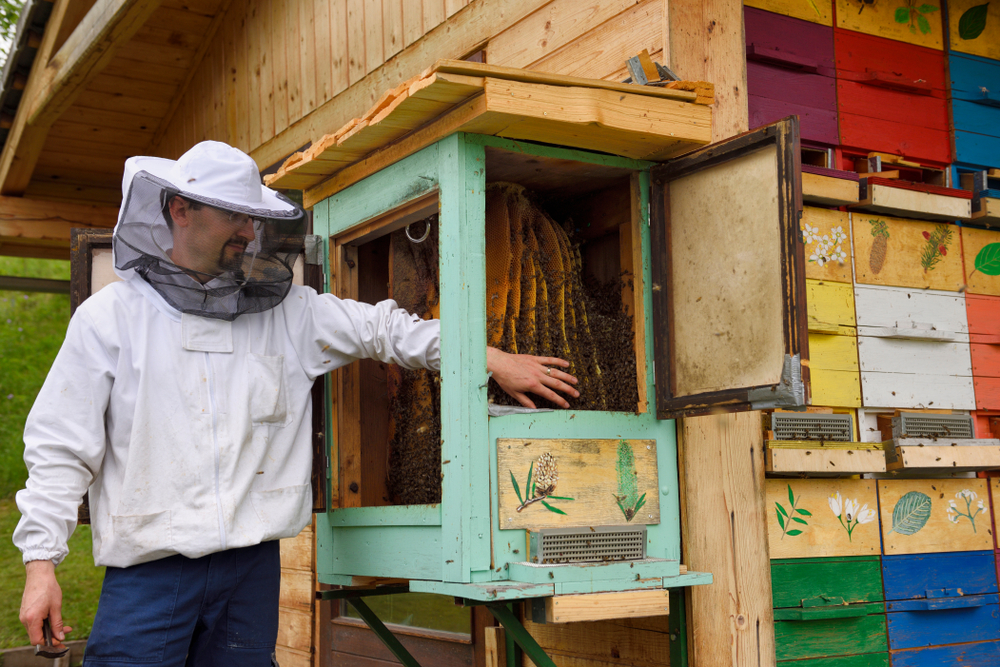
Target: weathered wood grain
823	532
587	472
607	606
939	533
903	309
820	189
824	461
797	640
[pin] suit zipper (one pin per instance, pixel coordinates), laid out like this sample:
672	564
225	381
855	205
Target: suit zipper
215	444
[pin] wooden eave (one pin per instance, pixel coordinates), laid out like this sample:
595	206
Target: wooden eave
97	93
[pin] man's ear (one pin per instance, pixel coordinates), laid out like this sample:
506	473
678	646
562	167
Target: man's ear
179	209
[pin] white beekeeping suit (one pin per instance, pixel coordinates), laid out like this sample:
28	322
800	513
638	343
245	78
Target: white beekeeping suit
181	396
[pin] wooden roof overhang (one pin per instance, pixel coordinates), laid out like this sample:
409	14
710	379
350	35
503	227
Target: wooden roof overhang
105	83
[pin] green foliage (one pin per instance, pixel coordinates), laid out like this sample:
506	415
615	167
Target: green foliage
973	22
879	228
32	327
10	11
911	513
936	246
902	15
79	579
988	260
915	17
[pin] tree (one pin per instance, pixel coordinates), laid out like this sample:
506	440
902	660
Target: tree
10	10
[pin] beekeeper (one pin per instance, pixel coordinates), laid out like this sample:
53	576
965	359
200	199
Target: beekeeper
181	400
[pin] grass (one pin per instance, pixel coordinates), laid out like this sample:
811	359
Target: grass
32	327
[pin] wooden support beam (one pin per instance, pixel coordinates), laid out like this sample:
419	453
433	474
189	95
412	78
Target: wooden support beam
36	228
722	456
18	284
58	81
464	32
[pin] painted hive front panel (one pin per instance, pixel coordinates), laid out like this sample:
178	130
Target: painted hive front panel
972	620
937	576
854	580
814	11
790	72
912	23
802	640
884	90
826	237
834	371
975	100
817	517
974	27
974	110
984	333
576	483
933	516
979	654
906	253
981	252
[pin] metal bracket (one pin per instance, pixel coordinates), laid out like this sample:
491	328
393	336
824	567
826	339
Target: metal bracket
521	636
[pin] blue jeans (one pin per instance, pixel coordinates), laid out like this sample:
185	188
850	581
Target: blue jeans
220	610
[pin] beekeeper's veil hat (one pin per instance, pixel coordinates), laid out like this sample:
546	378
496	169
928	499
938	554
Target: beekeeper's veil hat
211	174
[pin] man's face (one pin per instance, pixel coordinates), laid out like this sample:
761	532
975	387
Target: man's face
213	240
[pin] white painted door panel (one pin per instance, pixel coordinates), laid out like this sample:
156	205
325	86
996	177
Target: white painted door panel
904	308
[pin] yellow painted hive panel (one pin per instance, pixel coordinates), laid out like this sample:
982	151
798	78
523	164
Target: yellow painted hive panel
974	27
833	370
906	253
917	22
830	307
825	235
981	251
814	11
935	515
817	517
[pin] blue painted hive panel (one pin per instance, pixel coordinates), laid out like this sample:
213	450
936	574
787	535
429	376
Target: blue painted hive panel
980	654
975	93
911	629
912	576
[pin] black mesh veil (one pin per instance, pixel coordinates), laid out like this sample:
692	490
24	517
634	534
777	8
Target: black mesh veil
253	281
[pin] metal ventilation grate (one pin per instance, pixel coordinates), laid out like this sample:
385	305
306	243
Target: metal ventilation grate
582	545
924	425
812	426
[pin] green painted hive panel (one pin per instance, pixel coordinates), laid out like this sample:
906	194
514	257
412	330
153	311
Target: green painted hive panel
796	640
855	579
866	660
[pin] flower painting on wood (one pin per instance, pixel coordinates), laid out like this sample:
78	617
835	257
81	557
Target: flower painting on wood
542	487
819	518
955	511
849	514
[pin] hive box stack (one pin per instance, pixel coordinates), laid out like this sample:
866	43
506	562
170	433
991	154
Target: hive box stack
939	572
974	72
904	322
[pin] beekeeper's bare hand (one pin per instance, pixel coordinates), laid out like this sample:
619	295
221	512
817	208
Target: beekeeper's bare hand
42	599
521	374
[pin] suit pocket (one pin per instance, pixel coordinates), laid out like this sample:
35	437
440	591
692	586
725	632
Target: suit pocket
266	383
139	538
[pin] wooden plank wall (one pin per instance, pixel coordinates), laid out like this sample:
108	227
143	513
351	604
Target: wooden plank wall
296	603
288	70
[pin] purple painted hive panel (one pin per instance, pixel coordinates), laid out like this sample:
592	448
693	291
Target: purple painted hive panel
790	71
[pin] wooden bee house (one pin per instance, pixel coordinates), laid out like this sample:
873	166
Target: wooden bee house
545	505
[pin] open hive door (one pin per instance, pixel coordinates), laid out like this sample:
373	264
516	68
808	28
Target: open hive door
729	276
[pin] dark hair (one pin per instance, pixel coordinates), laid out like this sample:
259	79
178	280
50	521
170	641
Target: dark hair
165	210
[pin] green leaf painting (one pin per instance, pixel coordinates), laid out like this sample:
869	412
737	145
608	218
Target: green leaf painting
787	517
988	260
973	22
915	17
911	513
627	497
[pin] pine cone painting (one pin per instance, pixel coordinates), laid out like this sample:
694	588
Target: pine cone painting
876	260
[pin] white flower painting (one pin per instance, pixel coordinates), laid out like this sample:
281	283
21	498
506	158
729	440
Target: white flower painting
848	513
955	510
829	247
